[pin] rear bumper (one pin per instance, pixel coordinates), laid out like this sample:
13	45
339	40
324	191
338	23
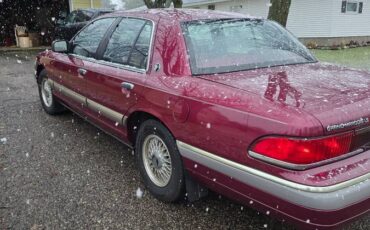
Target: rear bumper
308	201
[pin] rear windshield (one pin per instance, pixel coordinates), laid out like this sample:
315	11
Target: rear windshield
227	45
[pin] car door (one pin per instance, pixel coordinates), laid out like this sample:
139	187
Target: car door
113	86
67	68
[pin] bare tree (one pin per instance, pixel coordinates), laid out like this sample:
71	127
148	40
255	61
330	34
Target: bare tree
163	3
279	11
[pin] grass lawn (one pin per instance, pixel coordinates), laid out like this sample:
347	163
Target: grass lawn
356	57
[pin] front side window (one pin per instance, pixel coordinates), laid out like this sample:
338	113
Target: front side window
129	44
218	46
87	41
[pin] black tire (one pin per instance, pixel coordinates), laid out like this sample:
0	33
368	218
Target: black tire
174	190
54	107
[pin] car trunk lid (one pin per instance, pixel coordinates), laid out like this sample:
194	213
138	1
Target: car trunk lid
338	97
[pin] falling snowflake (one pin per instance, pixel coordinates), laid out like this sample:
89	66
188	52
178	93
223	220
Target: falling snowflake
139	193
3	140
208	125
19	61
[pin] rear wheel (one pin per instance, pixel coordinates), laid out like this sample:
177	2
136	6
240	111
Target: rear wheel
48	101
159	161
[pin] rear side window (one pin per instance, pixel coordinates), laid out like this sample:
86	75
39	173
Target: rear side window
87	41
139	54
129	44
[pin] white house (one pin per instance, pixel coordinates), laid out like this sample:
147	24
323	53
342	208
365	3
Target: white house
325	22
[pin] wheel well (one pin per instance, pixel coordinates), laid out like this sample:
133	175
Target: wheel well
134	121
38	71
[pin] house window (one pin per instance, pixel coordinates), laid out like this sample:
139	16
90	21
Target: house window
211	7
236	8
352	7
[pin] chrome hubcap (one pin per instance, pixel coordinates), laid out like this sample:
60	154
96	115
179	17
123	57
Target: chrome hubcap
46	93
157	160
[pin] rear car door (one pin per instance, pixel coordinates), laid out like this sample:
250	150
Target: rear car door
113	86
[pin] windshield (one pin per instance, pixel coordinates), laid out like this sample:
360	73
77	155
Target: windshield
218	46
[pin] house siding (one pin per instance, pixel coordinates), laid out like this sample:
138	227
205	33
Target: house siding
97	4
83	4
310	18
324	19
257	8
350	24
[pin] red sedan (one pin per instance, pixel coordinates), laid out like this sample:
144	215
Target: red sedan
223	101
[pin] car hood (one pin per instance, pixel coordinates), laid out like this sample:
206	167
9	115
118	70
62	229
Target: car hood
334	95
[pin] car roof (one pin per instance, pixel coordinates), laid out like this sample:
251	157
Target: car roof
179	14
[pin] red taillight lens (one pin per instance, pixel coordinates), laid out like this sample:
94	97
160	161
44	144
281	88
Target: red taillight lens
303	151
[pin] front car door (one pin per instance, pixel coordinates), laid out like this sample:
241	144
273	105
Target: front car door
68	69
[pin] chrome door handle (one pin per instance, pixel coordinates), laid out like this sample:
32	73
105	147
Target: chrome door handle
82	71
127	85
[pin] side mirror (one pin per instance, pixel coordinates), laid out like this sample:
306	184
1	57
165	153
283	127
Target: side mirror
59	46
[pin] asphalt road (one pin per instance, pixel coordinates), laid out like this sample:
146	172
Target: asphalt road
59	172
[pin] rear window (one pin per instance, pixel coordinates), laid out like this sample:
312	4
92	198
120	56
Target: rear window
227	45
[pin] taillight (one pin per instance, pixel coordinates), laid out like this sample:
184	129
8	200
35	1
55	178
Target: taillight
302	151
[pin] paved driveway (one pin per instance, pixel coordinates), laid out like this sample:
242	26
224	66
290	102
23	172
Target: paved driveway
62	173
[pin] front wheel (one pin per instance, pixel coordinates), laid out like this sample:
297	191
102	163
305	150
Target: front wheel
48	101
159	162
